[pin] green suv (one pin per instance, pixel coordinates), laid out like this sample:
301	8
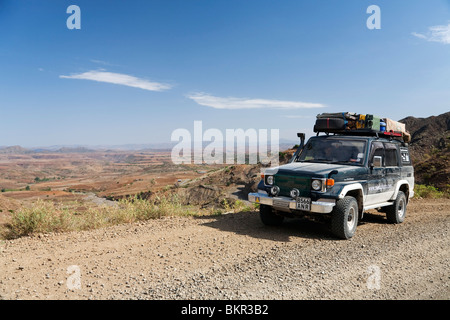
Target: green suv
340	176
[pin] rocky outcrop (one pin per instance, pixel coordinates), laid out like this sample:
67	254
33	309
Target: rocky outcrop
430	149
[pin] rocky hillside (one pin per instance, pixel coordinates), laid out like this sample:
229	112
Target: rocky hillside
430	149
428	134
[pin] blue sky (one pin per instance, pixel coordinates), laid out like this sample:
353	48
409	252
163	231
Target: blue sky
138	70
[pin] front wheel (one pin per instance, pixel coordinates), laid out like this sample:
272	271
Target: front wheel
268	217
344	218
397	212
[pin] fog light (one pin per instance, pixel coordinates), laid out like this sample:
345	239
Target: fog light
295	193
316	185
275	190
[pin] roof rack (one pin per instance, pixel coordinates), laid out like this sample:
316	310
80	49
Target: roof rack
365	132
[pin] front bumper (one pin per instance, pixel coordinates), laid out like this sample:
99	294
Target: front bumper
289	204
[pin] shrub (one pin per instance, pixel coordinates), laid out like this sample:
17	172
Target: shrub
235	206
42	217
46	217
427	191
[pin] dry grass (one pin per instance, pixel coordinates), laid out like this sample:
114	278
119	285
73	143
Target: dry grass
46	217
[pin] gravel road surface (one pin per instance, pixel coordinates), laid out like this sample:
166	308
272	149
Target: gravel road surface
234	256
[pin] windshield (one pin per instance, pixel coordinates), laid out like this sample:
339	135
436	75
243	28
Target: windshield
343	151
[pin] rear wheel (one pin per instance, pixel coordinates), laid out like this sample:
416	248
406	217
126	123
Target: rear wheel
268	217
344	218
397	212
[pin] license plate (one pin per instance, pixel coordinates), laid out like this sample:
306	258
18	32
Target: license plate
303	204
280	204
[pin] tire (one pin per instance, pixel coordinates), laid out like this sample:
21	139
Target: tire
397	212
268	217
344	218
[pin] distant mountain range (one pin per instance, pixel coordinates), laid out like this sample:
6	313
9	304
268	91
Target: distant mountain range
284	144
82	149
13	150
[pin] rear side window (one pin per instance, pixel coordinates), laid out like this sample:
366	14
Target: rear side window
391	155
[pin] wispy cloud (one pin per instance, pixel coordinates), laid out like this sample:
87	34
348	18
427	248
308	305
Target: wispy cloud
244	103
436	34
120	79
105	63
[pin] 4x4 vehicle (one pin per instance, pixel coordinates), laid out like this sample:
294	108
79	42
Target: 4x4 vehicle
342	176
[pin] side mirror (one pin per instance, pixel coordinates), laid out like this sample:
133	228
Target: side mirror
377	162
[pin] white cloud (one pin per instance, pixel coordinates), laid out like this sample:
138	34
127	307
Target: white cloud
121	79
104	63
436	34
419	35
242	103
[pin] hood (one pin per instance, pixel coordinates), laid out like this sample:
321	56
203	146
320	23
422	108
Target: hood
312	169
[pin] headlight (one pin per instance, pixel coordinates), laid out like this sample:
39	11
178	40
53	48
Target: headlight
269	179
316	185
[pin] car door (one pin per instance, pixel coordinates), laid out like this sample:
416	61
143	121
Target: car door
377	186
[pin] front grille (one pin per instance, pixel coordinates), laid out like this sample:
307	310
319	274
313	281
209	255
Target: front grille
287	183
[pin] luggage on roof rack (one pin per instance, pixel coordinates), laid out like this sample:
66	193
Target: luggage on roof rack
373	122
360	124
340	115
395	126
329	124
333	122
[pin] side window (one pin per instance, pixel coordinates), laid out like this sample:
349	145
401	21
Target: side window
391	155
377	149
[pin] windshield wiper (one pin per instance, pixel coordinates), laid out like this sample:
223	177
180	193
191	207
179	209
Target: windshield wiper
344	162
317	160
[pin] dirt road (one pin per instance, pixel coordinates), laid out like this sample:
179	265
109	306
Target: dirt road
235	257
